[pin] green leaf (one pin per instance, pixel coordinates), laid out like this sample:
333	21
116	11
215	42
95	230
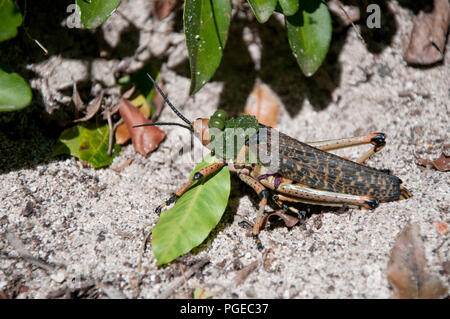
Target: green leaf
142	82
10	18
309	34
95	12
206	24
188	223
15	93
289	7
262	9
88	142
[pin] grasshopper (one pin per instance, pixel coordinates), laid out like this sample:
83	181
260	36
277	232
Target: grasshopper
305	172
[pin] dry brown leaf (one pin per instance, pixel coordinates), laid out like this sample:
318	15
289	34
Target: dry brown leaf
429	35
92	108
442	163
162	8
289	220
242	274
145	139
406	270
263	105
122	135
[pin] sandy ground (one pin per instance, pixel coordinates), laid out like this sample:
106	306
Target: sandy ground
93	221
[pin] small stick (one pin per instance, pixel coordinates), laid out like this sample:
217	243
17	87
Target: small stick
179	281
338	3
111	131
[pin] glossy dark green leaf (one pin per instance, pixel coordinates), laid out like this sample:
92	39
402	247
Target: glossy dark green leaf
262	9
289	7
88	142
206	24
309	33
95	12
187	224
10	18
15	93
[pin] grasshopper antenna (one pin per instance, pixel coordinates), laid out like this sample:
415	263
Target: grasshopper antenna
168	102
174	124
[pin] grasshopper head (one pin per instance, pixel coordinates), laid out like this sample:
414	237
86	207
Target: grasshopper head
201	126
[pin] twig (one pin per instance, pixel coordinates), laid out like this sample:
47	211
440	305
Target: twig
25	29
179	281
141	253
111	131
358	34
25	254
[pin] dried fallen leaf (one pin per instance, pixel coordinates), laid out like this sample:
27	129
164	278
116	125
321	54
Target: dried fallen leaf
145	139
289	220
406	269
263	105
92	108
442	163
162	8
242	274
441	228
122	135
429	35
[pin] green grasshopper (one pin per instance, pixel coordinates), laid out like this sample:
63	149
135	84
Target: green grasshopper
305	172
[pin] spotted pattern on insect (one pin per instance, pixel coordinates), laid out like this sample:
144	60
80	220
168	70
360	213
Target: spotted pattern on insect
322	170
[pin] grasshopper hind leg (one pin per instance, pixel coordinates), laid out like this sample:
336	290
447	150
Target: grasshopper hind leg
280	201
378	140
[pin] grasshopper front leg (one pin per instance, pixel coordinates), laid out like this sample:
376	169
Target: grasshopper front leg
263	193
204	172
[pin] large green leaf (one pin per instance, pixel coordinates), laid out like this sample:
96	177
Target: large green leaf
15	93
194	215
95	12
206	24
289	7
309	33
262	9
10	18
88	142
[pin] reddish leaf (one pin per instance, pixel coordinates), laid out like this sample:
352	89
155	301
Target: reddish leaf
406	269
263	105
145	139
442	163
162	8
429	35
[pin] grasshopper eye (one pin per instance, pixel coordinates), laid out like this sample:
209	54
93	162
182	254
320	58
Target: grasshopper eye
217	122
221	114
